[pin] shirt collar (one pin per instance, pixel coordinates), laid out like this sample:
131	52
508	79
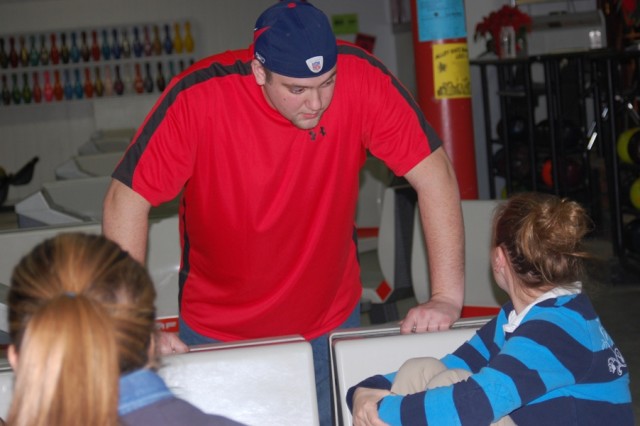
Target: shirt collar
139	389
515	319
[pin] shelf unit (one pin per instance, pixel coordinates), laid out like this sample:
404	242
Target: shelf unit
586	105
92	62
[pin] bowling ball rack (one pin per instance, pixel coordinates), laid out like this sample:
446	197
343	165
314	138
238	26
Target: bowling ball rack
527	152
560	120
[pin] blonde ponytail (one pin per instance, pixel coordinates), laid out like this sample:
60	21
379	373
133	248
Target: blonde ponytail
81	313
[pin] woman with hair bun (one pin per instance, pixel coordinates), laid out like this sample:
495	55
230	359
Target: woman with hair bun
546	359
82	324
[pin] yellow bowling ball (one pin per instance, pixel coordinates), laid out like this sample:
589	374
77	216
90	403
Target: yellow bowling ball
623	144
634	194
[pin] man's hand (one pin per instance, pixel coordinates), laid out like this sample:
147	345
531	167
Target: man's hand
170	343
365	406
439	313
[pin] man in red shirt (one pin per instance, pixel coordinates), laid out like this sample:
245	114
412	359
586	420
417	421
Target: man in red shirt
266	144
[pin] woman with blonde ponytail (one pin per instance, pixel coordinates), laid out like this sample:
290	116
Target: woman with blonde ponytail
545	359
82	324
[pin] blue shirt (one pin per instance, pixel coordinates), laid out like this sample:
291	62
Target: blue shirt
139	389
146	400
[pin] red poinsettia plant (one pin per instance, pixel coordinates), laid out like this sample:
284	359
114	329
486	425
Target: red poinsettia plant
630	12
506	16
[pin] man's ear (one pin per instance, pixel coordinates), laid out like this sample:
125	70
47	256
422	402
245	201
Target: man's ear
12	356
259	72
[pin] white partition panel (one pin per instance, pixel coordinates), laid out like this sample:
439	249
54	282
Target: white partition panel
6	388
268	383
360	353
480	287
263	382
163	258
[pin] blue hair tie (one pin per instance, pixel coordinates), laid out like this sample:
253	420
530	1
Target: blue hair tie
71	294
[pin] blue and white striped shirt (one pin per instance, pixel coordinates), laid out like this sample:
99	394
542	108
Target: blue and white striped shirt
558	367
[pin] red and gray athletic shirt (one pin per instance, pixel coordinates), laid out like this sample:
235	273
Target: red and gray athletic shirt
267	213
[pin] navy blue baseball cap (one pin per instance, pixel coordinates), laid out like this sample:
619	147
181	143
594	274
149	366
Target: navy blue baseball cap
295	39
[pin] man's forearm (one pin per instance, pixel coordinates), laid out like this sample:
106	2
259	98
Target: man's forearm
441	215
444	236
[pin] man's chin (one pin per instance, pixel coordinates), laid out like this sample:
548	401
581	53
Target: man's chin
307	124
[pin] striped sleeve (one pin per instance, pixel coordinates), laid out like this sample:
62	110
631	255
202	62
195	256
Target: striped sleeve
541	356
475	353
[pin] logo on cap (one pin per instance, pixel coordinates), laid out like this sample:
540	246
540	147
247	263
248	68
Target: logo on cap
315	64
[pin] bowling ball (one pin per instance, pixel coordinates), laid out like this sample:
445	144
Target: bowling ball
519	161
499	162
516	128
622	146
516	188
571	175
634	194
569	133
504	194
631	236
545	174
626	179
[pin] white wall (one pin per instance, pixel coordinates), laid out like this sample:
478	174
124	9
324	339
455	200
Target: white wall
55	131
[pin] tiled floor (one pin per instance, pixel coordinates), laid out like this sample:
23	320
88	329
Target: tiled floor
615	293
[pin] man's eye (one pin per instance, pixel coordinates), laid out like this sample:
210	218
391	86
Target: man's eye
297	90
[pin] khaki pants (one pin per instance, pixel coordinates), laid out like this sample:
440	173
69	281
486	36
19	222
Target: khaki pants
420	374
